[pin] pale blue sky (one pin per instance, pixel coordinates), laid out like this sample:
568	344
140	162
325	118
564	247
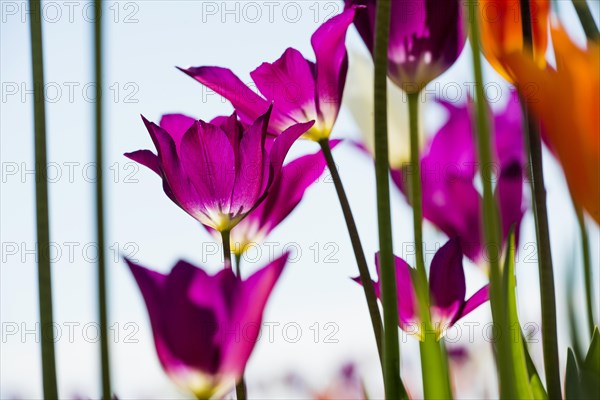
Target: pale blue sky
145	40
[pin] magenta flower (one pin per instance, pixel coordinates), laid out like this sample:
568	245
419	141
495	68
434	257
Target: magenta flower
426	38
300	90
446	290
449	166
217	173
205	327
285	194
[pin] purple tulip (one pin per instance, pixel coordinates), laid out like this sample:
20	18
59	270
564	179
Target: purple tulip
446	290
205	327
285	194
426	38
449	166
217	173
300	90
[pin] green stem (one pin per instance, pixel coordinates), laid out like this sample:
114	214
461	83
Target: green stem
238	263
490	211
226	237
240	387
359	254
587	269
436	381
241	392
546	270
41	200
587	20
391	359
100	236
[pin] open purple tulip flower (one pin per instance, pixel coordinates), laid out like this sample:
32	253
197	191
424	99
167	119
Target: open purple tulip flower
426	38
447	291
300	90
216	172
285	194
205	327
449	168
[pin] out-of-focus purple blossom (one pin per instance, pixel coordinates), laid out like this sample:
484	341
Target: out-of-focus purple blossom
192	315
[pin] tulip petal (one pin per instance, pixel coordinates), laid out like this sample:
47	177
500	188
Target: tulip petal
146	158
247	314
447	282
223	81
282	145
480	297
288	189
176	125
249	174
407	298
460	218
329	45
190	323
290	84
246	102
175	182
206	152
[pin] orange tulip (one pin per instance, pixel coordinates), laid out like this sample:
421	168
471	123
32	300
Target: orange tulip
567	100
502	33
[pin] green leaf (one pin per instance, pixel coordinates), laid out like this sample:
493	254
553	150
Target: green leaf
592	359
572	384
589	376
537	387
521	383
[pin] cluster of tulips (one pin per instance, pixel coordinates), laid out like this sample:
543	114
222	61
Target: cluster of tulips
231	175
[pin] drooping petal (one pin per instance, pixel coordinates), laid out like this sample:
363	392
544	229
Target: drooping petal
480	297
447	282
329	45
290	84
247	314
282	145
146	158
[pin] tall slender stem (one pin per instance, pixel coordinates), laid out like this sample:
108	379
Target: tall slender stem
546	270
241	392
587	20
226	237
490	210
436	381
359	254
391	358
587	269
240	388
238	265
100	236
41	201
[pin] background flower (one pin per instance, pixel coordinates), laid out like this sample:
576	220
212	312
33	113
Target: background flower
192	314
426	38
451	200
